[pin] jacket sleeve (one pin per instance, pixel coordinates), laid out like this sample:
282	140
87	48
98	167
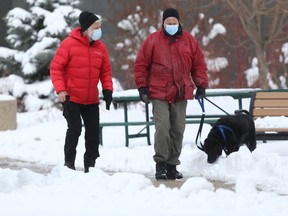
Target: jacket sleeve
143	62
57	66
199	67
106	71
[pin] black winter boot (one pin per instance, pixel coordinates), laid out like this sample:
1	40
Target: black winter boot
70	165
172	172
87	165
161	173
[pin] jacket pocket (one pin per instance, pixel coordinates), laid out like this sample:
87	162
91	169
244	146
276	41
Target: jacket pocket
189	88
157	88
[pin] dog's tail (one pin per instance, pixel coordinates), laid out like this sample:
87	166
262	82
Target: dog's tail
242	111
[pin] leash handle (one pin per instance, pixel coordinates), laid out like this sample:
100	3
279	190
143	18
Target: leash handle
201	103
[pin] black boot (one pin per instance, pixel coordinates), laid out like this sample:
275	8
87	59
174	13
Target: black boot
87	165
70	165
172	172
161	173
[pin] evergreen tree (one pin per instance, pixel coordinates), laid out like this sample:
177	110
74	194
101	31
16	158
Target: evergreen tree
34	35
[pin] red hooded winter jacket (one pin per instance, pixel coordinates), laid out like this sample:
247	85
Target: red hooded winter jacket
170	66
78	66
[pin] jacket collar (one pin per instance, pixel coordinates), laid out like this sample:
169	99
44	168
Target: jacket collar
76	33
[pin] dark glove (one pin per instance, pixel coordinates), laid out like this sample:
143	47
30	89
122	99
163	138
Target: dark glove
144	93
65	106
107	97
200	92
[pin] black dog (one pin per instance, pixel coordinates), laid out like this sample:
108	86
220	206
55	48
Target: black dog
228	134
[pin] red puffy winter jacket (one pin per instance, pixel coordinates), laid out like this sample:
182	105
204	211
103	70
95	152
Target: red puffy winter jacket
170	66
78	66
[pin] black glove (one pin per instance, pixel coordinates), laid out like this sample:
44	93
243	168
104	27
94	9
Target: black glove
107	97
65	106
144	93
200	92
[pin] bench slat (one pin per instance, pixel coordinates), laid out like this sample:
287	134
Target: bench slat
272	95
271	136
271	129
269	112
188	121
206	121
271	103
206	116
111	124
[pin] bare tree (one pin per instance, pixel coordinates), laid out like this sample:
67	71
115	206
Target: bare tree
265	22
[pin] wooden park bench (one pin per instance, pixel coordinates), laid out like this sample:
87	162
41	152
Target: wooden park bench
272	104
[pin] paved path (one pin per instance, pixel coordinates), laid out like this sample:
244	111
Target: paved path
179	183
43	169
17	165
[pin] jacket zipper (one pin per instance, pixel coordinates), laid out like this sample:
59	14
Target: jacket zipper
90	70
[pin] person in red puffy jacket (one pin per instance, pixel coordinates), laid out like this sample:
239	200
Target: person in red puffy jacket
80	62
168	65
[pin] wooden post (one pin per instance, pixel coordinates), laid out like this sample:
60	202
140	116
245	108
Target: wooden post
8	111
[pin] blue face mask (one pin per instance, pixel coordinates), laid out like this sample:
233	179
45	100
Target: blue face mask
96	34
171	29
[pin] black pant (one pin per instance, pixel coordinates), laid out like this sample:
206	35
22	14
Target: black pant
90	115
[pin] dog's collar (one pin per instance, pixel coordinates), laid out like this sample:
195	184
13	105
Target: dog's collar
221	129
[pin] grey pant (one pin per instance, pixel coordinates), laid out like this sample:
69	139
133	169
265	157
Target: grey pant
169	128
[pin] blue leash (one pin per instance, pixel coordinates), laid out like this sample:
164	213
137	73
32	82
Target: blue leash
201	103
220	127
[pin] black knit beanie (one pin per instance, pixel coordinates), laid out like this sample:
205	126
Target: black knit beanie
86	19
170	12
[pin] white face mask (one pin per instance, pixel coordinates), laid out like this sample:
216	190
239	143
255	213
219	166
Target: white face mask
171	29
95	34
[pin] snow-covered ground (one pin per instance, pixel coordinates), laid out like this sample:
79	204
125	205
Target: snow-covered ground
120	184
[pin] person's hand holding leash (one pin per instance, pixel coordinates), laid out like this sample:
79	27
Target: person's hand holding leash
200	92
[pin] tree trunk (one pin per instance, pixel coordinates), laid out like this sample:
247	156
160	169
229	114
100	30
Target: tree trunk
263	68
